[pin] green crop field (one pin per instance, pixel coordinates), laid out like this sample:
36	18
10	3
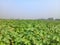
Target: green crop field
29	32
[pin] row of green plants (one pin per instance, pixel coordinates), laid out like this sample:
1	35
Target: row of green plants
29	32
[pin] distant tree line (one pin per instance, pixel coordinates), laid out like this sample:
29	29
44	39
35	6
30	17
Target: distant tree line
53	19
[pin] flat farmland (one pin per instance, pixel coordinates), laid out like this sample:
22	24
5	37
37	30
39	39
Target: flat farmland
29	32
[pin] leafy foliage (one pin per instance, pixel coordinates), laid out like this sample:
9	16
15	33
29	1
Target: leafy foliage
29	32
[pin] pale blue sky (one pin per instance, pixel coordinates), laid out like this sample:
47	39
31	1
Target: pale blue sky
26	9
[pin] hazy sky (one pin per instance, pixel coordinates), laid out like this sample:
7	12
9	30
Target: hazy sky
25	9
